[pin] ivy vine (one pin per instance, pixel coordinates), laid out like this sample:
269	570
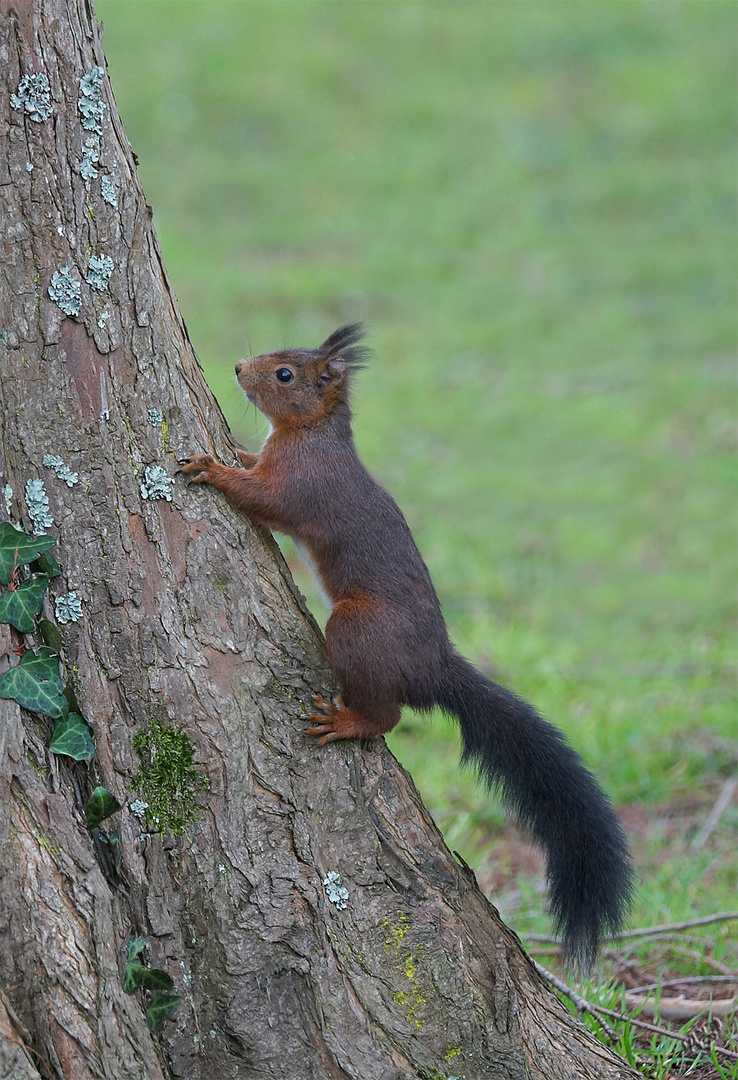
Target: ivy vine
158	983
35	682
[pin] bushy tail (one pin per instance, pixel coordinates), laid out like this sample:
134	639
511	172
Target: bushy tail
544	782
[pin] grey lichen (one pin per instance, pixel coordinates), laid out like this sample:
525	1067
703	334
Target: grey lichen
90	104
138	807
107	189
99	269
90	158
103	318
65	291
68	608
157	483
156	417
37	502
52	461
34	96
335	891
8	496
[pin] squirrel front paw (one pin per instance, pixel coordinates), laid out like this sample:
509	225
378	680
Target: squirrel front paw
200	467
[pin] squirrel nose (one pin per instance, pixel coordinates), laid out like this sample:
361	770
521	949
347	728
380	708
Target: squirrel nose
238	367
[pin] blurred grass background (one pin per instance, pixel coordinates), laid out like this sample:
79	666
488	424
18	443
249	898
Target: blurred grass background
533	207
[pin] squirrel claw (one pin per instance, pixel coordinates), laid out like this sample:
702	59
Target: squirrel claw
324	736
199	464
330	708
325	724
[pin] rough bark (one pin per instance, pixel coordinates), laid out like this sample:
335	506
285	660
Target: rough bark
191	617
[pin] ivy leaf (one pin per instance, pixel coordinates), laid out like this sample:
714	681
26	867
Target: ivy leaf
71	736
50	634
130	976
20	606
155	979
36	684
137	976
135	945
46	564
19	549
71	697
100	805
161	1007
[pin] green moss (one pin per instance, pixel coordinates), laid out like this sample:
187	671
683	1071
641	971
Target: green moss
168	778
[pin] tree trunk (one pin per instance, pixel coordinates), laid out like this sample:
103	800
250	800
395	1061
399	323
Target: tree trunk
190	617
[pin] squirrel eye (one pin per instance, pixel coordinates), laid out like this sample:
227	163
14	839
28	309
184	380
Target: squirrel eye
284	375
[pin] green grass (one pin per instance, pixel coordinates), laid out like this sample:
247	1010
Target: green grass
533	206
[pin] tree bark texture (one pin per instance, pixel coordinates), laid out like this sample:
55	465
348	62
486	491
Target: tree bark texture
190	617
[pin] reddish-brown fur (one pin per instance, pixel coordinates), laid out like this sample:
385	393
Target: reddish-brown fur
309	482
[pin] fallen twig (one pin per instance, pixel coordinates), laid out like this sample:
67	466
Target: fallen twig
668	935
649	931
680	1008
721	804
581	1003
711	979
701	958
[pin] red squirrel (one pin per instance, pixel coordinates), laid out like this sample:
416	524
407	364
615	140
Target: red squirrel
386	639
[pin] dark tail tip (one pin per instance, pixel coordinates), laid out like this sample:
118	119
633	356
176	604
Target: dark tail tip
547	787
591	890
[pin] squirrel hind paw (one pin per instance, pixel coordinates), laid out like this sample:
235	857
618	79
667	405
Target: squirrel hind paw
329	708
324	733
332	721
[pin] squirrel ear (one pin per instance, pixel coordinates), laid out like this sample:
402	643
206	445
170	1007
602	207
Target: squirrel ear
333	372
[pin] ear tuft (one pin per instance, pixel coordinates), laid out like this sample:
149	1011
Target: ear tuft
343	343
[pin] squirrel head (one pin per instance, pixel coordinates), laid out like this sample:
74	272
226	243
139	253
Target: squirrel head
301	386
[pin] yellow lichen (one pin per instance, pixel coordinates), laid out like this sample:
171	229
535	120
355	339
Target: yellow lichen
410	1000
